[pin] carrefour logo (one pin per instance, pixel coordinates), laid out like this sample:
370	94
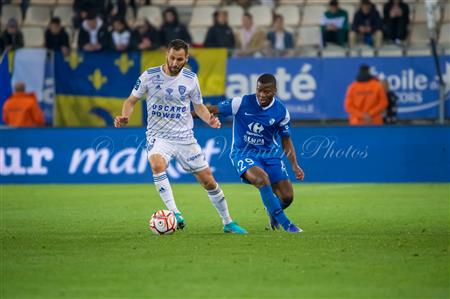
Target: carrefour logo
301	86
256	128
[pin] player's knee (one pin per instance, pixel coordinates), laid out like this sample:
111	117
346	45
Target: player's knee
287	199
261	180
157	164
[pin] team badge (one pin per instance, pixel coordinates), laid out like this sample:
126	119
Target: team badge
271	121
181	89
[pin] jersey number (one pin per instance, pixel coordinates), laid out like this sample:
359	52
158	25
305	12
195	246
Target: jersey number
242	164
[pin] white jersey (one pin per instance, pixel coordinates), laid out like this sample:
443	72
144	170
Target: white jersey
168	103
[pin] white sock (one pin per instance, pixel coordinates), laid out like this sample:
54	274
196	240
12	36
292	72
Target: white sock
218	200
162	185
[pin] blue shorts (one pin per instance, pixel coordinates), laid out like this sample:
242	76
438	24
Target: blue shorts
274	167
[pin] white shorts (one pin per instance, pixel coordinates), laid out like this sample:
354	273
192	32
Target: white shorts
189	156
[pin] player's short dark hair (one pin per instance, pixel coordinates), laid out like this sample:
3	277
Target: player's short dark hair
267	79
178	44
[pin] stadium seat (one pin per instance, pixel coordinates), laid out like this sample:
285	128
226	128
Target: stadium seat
202	16
11	11
418	51
180	2
158	2
288	2
444	36
419	34
151	13
290	13
208	2
37	16
129	17
446	13
420	13
43	2
64	12
390	50
262	15
312	14
309	36
362	51
334	51
33	36
198	35
235	13
65	2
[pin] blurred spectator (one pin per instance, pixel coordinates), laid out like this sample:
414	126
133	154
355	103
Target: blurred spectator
396	20
366	99
83	8
115	9
279	39
147	36
249	39
21	109
120	36
334	24
56	37
390	116
93	34
12	36
220	35
172	28
367	25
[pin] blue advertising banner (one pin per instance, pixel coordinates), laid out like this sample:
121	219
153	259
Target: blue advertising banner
315	88
327	154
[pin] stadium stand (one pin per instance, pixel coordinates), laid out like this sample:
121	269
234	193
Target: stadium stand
33	36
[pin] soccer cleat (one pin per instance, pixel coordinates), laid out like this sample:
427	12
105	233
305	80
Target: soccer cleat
180	221
234	228
274	225
292	228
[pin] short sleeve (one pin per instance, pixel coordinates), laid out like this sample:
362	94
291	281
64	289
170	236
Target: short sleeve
285	125
196	94
230	106
140	89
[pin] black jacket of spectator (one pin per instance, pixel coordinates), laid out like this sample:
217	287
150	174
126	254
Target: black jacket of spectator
151	34
83	7
14	41
397	27
373	20
56	41
174	29
219	36
102	37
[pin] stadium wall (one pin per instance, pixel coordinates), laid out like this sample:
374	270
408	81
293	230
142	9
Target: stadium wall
327	154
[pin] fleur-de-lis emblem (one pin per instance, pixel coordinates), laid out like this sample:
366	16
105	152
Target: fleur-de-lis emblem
97	79
74	59
124	63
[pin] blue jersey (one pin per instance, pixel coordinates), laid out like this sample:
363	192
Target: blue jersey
257	129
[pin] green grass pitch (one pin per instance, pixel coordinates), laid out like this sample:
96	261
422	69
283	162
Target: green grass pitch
93	241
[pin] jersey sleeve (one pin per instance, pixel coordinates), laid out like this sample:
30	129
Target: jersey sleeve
140	89
285	125
230	106
196	94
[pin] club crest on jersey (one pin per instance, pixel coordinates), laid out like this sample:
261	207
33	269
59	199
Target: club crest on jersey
271	121
181	89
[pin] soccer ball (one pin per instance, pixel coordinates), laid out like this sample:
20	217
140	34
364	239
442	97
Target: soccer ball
163	222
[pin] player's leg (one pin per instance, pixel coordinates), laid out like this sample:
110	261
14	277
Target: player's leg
191	158
260	179
159	157
217	197
283	189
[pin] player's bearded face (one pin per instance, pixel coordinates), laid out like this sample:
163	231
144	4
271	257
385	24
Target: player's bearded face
176	60
265	93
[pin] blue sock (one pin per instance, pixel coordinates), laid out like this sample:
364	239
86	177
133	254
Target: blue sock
272	204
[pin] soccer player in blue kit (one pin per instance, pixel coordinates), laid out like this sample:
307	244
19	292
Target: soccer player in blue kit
259	122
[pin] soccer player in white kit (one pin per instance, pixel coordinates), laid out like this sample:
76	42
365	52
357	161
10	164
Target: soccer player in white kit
170	89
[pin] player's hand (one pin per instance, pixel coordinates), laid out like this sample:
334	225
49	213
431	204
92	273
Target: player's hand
120	121
299	174
367	118
214	122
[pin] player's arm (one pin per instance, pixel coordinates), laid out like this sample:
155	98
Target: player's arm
289	150
288	146
204	114
127	109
